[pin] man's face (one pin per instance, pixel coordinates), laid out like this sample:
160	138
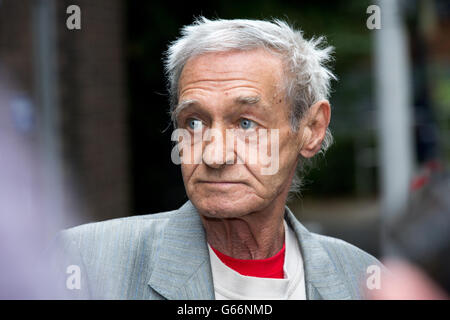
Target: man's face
240	91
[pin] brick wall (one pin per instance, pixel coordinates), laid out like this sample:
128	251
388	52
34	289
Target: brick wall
91	95
95	114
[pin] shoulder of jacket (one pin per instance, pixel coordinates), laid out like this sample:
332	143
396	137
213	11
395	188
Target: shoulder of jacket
343	251
117	225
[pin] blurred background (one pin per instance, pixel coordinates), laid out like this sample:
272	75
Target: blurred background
92	106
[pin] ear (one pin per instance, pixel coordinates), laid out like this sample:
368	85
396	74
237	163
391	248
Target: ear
315	124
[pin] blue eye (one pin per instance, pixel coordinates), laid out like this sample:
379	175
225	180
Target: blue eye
194	124
246	124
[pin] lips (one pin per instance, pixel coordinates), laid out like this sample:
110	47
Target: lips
221	182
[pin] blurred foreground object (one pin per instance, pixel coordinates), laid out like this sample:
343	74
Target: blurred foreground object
25	222
421	237
407	282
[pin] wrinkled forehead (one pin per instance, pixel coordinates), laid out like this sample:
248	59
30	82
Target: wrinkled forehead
257	68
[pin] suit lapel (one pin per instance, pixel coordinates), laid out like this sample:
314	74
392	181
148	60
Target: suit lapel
182	269
322	279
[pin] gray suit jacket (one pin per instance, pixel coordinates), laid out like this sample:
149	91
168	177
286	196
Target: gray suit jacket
165	256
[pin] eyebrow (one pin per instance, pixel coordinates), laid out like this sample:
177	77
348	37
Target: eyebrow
243	100
247	99
181	106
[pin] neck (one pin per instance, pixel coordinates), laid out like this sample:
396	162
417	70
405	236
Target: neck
258	235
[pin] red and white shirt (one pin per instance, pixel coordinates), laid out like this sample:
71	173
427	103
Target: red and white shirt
236	279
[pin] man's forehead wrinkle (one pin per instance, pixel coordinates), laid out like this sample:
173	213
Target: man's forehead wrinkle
232	89
240	100
243	100
229	91
207	82
195	75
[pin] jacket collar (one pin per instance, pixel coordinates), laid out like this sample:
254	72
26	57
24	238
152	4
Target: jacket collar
183	271
322	279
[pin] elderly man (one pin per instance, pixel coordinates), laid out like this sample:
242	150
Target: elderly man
240	81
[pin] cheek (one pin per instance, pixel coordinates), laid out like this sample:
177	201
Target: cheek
274	169
269	184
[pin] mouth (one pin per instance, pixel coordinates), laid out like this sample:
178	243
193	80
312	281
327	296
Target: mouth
219	184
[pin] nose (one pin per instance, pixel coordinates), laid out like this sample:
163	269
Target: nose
216	154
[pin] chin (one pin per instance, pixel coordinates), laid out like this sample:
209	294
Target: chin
223	206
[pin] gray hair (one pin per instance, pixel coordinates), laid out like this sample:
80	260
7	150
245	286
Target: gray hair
307	76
